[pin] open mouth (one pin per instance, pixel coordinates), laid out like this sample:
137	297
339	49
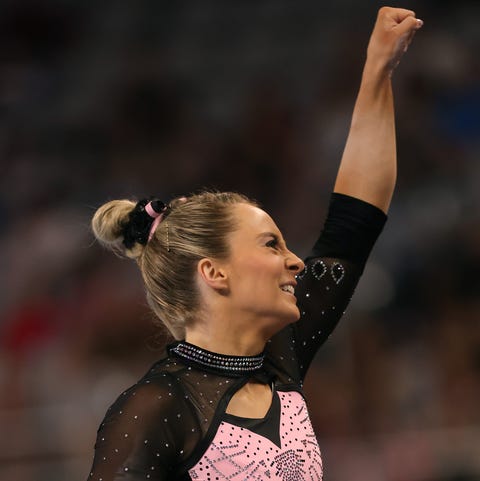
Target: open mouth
288	288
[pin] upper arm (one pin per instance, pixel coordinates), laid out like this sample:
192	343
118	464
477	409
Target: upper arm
327	284
323	292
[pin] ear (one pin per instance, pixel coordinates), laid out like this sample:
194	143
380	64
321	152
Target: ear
213	274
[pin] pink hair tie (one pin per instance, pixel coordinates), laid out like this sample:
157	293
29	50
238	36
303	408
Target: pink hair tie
157	216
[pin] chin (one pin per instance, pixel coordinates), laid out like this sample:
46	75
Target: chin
293	316
296	313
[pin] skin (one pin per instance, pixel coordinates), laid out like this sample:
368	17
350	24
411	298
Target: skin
243	300
242	303
368	168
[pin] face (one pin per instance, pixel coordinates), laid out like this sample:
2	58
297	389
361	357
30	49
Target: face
261	270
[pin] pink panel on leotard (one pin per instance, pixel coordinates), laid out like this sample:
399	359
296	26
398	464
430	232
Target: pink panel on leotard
239	454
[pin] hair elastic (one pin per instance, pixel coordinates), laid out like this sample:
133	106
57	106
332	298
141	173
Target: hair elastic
157	216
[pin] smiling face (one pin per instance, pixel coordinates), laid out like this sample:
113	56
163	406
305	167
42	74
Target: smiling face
261	271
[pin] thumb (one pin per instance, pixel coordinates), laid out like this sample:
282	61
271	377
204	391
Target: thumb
408	25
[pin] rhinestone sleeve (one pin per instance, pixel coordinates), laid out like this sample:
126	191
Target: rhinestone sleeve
144	433
326	286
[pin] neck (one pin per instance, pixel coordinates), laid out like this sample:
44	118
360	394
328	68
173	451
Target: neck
228	340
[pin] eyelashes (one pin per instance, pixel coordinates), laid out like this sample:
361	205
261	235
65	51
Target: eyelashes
272	243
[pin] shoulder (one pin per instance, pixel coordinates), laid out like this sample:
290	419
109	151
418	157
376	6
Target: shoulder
154	397
145	428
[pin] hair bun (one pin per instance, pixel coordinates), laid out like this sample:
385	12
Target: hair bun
139	223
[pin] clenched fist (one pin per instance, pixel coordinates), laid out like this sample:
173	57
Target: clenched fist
391	36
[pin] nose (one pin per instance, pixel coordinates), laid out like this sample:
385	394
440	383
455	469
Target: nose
294	263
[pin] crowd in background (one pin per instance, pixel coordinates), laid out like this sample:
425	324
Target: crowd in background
126	99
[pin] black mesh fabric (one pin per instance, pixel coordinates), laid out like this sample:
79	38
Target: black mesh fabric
160	427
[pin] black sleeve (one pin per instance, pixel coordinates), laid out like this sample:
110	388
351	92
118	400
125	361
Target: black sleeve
350	231
325	287
142	434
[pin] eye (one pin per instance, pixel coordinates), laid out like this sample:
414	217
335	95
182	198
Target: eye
272	243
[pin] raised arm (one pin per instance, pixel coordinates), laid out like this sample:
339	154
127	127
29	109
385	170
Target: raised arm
368	168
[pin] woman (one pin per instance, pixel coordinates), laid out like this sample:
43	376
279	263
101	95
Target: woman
225	401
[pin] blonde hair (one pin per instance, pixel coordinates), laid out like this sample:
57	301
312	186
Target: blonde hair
196	227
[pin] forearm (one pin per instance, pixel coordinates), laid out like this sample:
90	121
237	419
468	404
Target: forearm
368	167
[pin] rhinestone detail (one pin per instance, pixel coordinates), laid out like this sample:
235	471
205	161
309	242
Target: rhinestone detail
319	268
338	272
229	365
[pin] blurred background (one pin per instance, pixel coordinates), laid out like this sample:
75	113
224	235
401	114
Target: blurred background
103	100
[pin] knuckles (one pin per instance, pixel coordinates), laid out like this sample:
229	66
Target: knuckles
393	10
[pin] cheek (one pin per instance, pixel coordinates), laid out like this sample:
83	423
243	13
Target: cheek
259	271
265	273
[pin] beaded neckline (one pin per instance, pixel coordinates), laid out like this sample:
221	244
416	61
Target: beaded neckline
220	363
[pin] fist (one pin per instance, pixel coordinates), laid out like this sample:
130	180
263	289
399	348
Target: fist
391	36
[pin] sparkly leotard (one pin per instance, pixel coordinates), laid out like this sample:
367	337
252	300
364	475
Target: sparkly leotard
173	425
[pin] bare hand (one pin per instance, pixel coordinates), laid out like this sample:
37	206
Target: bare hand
391	36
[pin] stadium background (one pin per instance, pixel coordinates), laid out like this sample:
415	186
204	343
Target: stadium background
102	100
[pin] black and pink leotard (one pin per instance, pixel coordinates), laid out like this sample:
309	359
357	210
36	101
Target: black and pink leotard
173	425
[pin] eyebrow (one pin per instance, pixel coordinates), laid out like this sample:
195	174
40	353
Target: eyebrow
277	237
269	234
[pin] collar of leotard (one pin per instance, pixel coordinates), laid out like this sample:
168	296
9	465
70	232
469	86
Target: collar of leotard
232	366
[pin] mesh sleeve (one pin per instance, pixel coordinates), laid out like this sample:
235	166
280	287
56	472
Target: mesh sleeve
142	434
325	287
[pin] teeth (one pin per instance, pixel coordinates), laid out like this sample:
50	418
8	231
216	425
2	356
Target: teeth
288	289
